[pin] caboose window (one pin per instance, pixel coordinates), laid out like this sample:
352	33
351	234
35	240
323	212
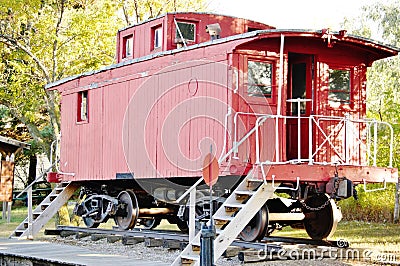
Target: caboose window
128	46
339	86
259	79
188	31
157	39
82	106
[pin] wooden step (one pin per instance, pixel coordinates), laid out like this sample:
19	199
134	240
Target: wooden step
234	205
53	197
35	215
58	190
43	206
223	218
191	257
254	180
245	192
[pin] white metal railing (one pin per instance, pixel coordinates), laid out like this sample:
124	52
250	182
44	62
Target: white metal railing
57	153
344	137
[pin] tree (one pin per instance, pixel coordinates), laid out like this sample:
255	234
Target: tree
380	21
42	41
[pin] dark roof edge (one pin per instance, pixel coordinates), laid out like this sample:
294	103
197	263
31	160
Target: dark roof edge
14	142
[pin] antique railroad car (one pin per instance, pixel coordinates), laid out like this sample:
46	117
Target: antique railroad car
284	106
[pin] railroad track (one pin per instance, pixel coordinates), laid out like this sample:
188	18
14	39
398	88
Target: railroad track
267	249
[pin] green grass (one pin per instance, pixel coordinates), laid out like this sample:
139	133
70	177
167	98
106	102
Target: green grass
375	236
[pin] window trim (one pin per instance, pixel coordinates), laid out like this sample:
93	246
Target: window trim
194	31
155	29
79	118
334	104
125	40
255	99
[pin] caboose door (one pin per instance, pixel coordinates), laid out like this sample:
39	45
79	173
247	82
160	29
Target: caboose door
300	94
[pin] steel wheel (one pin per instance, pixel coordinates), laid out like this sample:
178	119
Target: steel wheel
257	226
321	224
150	223
89	222
128	220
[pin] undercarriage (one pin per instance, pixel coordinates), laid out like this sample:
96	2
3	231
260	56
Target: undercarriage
307	205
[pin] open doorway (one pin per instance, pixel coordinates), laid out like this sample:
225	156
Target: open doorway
300	91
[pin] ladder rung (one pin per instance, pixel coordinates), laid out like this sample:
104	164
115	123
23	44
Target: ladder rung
43	206
190	257
223	218
244	192
254	180
195	243
234	205
60	188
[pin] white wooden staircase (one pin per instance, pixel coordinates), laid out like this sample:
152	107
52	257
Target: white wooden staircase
45	210
231	218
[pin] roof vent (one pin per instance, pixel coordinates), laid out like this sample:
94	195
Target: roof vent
214	30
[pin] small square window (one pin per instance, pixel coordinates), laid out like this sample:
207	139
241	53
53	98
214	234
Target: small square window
187	31
157	37
127	47
339	86
259	79
82	106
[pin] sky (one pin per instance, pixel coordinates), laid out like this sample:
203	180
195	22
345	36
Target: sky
292	14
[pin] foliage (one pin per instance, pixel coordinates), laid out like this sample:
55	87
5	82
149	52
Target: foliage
371	206
380	21
42	41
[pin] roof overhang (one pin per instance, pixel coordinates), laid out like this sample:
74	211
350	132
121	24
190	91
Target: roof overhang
378	50
8	145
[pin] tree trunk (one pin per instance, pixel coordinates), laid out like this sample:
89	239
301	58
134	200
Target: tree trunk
32	169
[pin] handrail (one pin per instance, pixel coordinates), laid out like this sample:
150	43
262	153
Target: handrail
350	146
57	159
288	188
34	181
375	189
313	120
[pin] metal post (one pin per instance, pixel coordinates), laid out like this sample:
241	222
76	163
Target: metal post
207	245
310	139
192	215
375	141
9	211
30	214
298	130
4	210
208	232
347	139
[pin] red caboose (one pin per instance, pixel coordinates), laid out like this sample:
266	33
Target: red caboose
281	110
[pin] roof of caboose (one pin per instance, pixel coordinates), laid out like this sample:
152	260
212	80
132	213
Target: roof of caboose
374	50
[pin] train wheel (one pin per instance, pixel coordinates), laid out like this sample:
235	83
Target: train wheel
128	221
150	223
257	226
89	222
321	223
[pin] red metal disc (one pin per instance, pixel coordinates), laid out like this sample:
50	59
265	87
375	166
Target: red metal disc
210	169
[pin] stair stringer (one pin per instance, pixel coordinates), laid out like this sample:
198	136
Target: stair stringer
46	210
235	224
